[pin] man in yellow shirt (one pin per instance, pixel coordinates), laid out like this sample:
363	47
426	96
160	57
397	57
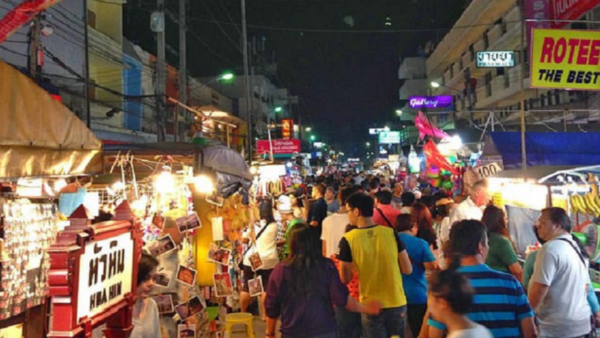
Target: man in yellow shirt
379	256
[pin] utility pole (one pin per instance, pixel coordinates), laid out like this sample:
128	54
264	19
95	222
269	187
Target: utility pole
35	48
158	22
246	81
182	70
86	86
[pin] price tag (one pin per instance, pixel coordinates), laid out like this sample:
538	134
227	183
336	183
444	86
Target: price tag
488	170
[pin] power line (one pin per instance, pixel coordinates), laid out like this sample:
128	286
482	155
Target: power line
12	51
194	34
235	44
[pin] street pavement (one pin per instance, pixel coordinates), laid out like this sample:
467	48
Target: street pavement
259	329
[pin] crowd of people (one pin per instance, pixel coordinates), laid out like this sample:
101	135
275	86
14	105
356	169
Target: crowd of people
370	257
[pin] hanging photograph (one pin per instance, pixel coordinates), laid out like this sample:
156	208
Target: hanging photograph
195	306
163	278
189	222
182	223
215	199
158	221
161	246
218	254
186	275
255	261
222	283
164	303
193	221
186	331
255	286
183	311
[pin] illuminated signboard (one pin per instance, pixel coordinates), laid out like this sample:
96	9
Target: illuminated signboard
565	59
278	146
106	273
375	131
492	59
389	137
440	101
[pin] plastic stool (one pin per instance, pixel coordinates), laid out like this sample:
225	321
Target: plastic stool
240	318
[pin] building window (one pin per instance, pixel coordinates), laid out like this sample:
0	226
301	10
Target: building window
486	40
542	100
460	63
472	52
557	96
502	25
451	71
91	18
488	84
506	80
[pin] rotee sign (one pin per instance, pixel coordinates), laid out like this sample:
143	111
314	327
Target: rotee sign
565	59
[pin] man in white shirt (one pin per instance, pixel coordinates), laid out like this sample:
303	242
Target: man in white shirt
558	287
334	226
472	207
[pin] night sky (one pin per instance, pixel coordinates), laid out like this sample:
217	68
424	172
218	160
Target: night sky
338	56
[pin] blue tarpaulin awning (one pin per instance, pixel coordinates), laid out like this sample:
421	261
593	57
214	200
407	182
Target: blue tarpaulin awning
548	149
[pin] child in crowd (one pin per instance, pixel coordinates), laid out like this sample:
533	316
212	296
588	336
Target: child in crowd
450	296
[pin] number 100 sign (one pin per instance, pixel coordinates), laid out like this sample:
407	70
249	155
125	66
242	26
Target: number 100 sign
488	170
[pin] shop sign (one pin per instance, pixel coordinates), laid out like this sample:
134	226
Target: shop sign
440	101
375	131
488	170
287	128
565	59
570	10
389	137
543	12
105	274
489	59
278	146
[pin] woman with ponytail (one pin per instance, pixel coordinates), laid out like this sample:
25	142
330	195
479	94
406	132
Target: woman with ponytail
449	300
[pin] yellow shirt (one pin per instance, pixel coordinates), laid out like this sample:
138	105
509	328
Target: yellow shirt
374	253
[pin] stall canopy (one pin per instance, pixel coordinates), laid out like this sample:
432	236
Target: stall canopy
229	166
548	149
39	136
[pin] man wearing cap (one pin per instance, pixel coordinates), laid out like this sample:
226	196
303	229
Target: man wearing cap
287	218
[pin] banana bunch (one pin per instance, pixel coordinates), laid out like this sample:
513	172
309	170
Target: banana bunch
586	204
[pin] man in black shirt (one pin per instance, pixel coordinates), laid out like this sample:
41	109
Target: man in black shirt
318	209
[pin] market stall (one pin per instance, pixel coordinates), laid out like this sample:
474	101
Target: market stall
41	143
191	199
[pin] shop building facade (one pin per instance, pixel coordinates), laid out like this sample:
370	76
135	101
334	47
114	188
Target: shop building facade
484	95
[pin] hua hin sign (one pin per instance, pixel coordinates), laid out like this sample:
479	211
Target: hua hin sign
105	274
440	101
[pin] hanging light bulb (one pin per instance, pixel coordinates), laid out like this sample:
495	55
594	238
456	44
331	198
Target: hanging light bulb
204	184
164	183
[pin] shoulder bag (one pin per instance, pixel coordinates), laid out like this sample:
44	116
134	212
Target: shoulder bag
385	218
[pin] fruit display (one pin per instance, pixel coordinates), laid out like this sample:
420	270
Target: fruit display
589	203
585	204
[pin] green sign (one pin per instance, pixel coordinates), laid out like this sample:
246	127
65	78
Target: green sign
389	137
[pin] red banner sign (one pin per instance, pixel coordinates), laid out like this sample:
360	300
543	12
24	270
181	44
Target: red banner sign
279	146
570	10
287	128
21	15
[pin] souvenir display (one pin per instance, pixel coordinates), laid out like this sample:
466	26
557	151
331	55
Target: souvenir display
28	230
